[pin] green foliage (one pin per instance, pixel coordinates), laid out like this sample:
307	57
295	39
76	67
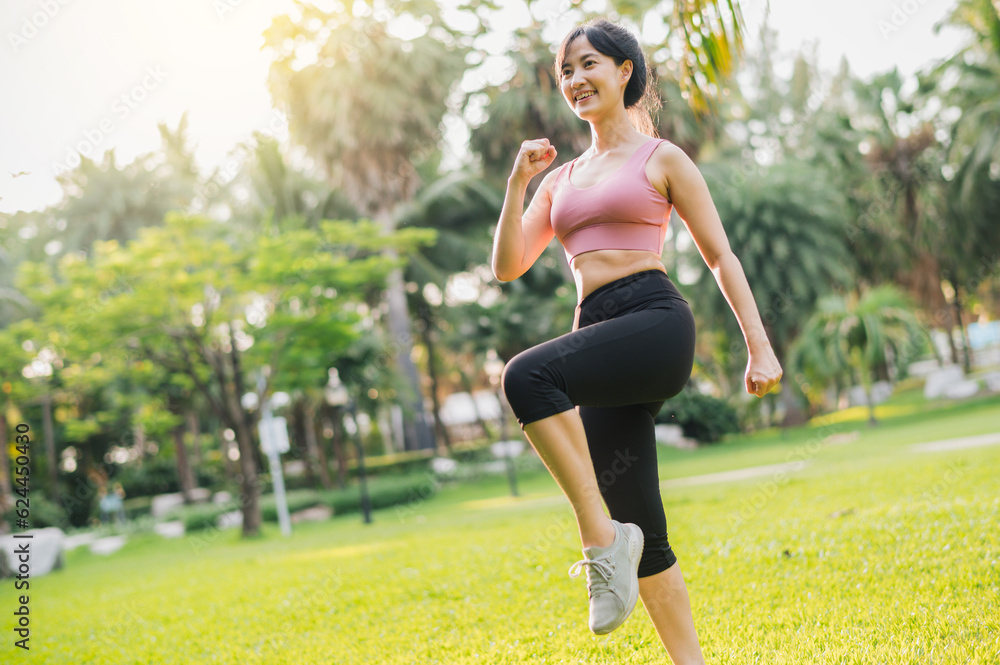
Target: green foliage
850	336
702	417
370	110
42	513
776	564
198	516
297	500
137	507
383	492
158	475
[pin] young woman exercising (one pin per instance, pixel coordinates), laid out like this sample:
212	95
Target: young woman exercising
586	399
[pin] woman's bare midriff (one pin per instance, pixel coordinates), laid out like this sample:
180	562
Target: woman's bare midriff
592	270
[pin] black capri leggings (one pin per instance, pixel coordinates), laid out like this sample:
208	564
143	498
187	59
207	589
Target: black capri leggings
631	349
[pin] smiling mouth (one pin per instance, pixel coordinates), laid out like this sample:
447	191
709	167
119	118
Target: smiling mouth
585	95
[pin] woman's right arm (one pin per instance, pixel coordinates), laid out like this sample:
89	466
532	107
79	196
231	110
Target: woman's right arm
521	238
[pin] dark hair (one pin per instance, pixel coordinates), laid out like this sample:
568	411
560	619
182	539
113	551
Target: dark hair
618	43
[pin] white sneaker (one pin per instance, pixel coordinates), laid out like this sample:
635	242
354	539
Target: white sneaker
612	577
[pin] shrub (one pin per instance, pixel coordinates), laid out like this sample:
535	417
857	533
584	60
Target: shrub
158	475
383	492
296	500
198	516
702	417
41	513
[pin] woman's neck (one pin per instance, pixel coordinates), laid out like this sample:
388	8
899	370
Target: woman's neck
612	132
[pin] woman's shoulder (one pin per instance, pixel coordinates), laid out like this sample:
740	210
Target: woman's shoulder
667	155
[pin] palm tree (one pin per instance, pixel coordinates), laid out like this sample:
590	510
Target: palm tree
852	337
702	48
462	208
971	196
104	202
786	226
369	109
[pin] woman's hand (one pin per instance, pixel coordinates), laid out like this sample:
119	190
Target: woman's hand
763	372
534	157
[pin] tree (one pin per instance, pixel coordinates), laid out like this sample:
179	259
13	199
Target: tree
969	245
462	209
216	314
368	108
850	338
786	226
104	202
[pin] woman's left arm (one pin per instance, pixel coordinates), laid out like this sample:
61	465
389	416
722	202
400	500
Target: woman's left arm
689	194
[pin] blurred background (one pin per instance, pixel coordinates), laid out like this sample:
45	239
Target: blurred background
216	210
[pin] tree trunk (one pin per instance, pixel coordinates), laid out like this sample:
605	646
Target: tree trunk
299	437
314	450
794	413
871	404
467	386
184	474
50	446
426	333
339	441
6	490
957	308
194	430
139	435
249	461
417	434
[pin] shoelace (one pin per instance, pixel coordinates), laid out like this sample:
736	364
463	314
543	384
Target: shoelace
601	580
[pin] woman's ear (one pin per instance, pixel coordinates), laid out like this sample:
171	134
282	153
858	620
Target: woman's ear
626	70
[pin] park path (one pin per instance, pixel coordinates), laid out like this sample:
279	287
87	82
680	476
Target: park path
991	439
976	441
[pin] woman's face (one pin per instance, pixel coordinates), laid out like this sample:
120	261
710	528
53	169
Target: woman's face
590	81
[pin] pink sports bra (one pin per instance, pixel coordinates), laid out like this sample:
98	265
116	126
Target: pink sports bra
622	211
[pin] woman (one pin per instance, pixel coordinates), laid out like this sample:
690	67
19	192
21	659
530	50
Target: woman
586	400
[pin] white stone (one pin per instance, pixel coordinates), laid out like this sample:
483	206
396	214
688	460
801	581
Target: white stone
106	546
498	466
673	436
45	548
462	408
222	497
230	519
982	358
993	381
173	529
940	379
77	539
923	367
314	514
880	392
856	396
443	466
511	448
164	503
669	434
961	390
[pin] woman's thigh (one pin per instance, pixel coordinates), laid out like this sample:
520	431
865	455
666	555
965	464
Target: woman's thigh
636	358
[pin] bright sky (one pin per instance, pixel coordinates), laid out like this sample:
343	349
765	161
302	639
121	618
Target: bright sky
103	73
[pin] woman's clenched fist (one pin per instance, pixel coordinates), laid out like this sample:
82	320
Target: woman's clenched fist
534	157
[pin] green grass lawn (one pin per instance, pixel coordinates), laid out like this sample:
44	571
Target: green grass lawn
871	553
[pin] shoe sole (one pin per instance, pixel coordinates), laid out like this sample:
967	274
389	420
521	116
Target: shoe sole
635	544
